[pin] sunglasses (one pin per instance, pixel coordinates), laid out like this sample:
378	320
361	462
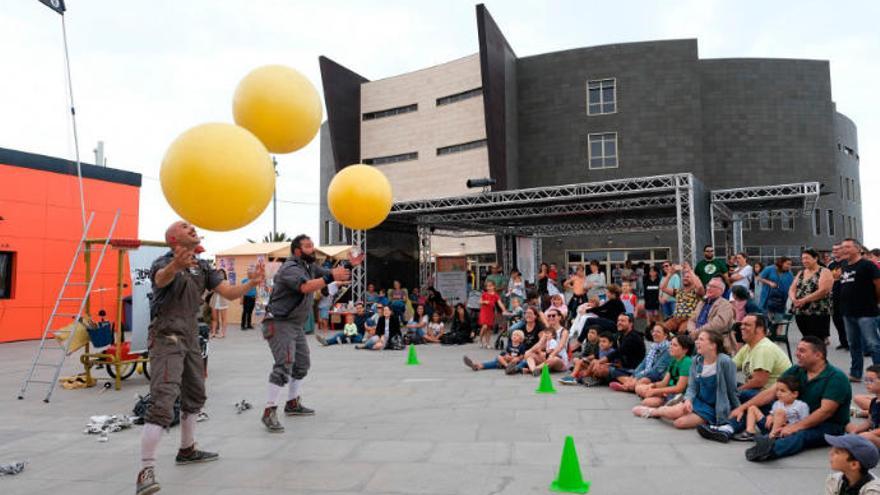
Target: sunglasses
552	315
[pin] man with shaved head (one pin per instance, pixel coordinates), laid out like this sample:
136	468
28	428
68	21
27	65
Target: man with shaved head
179	282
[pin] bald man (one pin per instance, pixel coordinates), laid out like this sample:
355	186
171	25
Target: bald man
179	281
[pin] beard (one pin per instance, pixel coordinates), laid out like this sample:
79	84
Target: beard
308	258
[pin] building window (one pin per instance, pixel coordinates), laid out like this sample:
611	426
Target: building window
382	160
765	222
602	149
848	189
841	186
458	148
326	233
391	112
342	236
787	221
7	265
817	222
830	217
602	97
464	95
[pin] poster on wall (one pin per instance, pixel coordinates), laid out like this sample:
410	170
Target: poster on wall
452	285
525	257
451	263
139	261
265	290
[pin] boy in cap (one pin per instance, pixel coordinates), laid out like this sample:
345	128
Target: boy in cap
852	457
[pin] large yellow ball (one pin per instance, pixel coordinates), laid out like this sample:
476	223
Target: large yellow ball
280	106
359	197
217	176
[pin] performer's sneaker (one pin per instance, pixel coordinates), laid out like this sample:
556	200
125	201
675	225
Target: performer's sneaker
193	455
270	420
146	482
294	407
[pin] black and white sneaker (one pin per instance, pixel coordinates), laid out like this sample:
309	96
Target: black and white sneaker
193	455
710	432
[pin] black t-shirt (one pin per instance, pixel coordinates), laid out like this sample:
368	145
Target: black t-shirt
632	350
835	289
857	294
610	310
652	293
531	338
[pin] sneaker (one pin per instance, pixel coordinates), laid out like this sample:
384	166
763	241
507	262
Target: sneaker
321	340
568	380
617	387
762	449
294	407
536	372
193	455
510	369
470	363
675	399
743	436
146	482
854	379
591	382
270	420
643	411
710	432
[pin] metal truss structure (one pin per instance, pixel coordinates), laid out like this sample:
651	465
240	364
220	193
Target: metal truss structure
359	273
639	204
749	203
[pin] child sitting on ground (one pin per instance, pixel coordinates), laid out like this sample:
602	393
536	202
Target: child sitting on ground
786	410
670	389
852	457
589	352
350	330
585	367
870	429
435	329
516	348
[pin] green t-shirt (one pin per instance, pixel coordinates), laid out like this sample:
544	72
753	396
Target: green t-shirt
499	280
830	384
678	369
765	356
707	270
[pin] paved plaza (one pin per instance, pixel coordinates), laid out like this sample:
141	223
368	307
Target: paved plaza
381	428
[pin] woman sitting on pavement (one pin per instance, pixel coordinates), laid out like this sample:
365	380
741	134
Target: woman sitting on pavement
670	389
652	368
555	344
461	331
711	391
418	326
387	327
607	313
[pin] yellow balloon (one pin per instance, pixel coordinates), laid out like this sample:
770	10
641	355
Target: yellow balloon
280	106
359	197
217	176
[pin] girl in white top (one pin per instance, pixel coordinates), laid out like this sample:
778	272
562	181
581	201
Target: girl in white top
219	305
436	329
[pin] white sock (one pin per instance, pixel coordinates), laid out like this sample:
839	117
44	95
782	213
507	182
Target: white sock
295	388
726	429
149	444
187	430
274	394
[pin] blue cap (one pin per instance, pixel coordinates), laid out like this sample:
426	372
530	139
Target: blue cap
860	448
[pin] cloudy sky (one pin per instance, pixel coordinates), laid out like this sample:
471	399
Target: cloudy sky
143	72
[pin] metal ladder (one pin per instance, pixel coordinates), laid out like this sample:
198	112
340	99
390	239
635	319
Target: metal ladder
48	343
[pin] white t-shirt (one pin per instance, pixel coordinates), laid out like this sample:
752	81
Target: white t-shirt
797	411
709	370
747	273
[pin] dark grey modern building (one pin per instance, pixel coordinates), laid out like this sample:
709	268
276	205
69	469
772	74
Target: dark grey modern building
606	113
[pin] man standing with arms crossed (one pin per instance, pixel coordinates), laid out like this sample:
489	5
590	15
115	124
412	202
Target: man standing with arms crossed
179	282
286	314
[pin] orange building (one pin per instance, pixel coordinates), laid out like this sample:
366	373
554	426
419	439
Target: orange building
40	225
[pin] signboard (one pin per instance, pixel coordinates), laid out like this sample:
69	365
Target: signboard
451	263
140	260
452	285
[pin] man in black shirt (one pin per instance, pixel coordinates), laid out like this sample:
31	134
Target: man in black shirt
859	294
836	267
630	346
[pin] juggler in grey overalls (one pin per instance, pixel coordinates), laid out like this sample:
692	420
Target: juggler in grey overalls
176	364
286	315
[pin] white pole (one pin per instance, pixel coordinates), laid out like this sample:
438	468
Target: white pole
82	200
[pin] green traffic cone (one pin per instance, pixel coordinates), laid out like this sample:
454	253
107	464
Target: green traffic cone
546	385
569	479
412	359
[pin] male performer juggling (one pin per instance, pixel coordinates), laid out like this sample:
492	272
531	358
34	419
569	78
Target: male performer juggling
179	281
289	305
